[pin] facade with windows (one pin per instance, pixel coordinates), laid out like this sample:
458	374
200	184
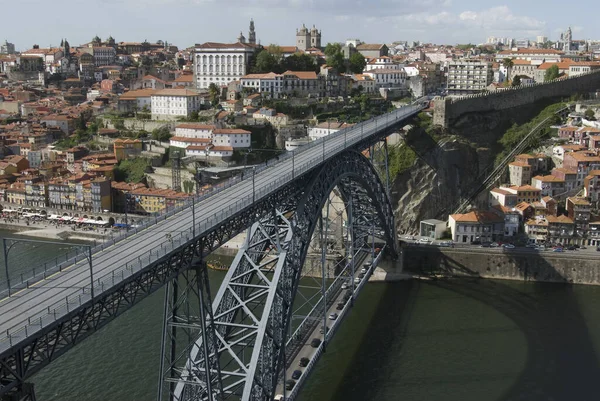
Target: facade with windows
169	104
466	77
221	63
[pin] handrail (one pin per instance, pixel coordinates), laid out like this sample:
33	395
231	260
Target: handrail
82	294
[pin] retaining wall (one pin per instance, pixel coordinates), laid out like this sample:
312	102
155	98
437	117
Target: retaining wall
575	267
447	110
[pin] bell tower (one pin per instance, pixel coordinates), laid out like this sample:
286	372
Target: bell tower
252	33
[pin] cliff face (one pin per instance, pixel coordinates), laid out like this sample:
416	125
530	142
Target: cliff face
432	187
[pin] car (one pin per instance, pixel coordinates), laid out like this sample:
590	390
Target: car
363	270
315	342
278	397
323	329
486	245
531	246
557	250
494	245
347	295
476	242
304	362
333	316
339	306
571	248
508	246
361	275
424	241
445	243
357	280
296	375
289	384
409	237
366	265
345	285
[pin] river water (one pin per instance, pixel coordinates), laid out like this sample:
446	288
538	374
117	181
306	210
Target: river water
421	340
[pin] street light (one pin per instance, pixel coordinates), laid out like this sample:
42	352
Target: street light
253	192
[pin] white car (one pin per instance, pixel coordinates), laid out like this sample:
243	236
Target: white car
424	241
357	280
333	316
345	285
409	237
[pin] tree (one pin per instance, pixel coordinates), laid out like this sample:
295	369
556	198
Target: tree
551	73
161	134
188	186
516	81
508	64
299	62
335	57
357	63
277	53
213	92
590	115
265	62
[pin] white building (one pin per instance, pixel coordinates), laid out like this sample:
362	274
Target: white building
50	56
387	78
208	140
469	76
269	85
383	62
221	63
326	128
168	104
136	100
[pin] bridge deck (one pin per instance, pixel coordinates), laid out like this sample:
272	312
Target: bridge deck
30	309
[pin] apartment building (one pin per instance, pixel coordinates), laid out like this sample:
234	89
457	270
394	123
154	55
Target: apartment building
467	76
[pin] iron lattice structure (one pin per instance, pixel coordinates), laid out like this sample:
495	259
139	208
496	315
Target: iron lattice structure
241	352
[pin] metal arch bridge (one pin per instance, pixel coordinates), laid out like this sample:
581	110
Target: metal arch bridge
45	315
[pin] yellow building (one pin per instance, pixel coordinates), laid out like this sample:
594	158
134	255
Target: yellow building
15	195
126	148
151	200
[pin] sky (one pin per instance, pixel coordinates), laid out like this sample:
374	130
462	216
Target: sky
185	22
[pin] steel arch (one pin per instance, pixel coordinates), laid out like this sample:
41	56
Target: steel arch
259	372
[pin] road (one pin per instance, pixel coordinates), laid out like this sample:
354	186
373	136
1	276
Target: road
33	308
310	352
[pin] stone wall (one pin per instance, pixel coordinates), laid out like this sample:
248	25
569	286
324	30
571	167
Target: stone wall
497	264
446	110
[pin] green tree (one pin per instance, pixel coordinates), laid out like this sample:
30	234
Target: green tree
265	62
357	63
551	73
508	63
213	92
161	134
590	115
516	81
277	53
188	186
299	62
335	57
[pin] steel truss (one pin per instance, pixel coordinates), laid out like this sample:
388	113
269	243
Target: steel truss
29	355
253	307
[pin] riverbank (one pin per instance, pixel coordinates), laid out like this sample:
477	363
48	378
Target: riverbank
58	232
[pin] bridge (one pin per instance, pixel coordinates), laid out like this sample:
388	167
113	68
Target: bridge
236	346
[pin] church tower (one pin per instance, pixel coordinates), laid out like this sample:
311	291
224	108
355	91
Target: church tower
315	37
252	33
302	38
241	38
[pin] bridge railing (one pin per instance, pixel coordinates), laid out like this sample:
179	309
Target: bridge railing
82	293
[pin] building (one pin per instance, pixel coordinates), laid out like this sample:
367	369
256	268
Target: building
387	78
326	128
101	195
531	54
104	55
150	201
136	100
502	197
127	148
560	229
583	67
432	228
523	193
476	226
169	104
308	39
579	210
520	173
7	48
467	76
591	186
582	162
209	141
370	51
221	63
549	185
36	193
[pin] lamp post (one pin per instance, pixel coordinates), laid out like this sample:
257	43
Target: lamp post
127	200
253	188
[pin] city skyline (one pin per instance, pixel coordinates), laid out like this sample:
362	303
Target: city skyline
432	21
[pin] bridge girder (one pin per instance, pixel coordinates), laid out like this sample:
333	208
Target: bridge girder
261	358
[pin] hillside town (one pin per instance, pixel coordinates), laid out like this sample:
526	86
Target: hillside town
138	127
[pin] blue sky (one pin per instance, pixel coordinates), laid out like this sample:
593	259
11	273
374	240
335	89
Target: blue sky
185	22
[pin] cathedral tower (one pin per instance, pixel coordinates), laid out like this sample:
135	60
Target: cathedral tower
252	33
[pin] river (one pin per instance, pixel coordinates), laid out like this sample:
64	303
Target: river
419	340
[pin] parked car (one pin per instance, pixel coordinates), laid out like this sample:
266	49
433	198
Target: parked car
424	241
333	316
357	280
571	248
409	237
361	275
508	246
345	285
557	250
289	384
340	305
304	362
494	245
486	245
323	329
531	246
363	270
296	375
315	342
445	243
